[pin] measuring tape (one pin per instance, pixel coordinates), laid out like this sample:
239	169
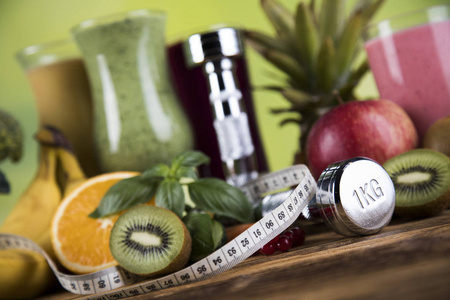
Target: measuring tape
108	283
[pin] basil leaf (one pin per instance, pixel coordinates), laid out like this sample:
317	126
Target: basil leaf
186	172
189	159
199	225
220	198
126	194
170	195
160	170
218	234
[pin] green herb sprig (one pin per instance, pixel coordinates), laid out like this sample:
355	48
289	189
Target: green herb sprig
208	194
166	184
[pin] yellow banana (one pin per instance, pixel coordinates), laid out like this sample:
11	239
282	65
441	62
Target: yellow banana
73	176
73	173
31	216
24	274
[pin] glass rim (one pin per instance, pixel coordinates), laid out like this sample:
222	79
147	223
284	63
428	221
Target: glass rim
46	53
113	17
388	26
37	48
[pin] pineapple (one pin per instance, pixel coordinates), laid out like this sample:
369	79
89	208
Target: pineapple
319	51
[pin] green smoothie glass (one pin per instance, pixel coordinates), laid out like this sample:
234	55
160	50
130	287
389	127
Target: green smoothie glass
138	120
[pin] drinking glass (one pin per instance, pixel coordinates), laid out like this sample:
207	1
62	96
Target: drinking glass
410	59
58	79
138	120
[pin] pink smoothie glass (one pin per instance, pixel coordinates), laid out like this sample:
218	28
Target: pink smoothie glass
410	59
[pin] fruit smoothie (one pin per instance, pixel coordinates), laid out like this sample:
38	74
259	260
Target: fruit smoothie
412	68
63	99
138	121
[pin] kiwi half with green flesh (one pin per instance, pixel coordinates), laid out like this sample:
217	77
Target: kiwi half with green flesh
150	241
421	180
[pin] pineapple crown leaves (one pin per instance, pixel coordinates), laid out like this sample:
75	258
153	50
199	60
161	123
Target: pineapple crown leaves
318	49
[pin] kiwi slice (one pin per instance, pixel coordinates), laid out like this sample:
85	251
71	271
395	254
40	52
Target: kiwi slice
421	180
150	241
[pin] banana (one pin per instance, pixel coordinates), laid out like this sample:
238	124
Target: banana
73	173
24	274
73	176
31	216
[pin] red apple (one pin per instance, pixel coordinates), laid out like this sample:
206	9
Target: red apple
377	129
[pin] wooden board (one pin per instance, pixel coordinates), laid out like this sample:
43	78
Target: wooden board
409	259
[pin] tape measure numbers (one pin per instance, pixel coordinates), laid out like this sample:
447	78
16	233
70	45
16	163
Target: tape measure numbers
105	284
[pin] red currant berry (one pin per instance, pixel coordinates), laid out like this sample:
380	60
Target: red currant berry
288	234
298	236
268	249
274	241
284	244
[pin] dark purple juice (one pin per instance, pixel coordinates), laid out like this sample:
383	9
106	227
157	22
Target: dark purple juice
193	92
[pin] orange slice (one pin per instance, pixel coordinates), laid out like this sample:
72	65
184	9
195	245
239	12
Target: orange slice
81	243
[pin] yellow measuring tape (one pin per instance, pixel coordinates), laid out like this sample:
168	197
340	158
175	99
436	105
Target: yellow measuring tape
117	283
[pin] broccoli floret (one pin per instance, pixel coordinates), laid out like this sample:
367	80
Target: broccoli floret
4	184
11	138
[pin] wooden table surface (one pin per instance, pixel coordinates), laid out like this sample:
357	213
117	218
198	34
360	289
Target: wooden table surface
409	259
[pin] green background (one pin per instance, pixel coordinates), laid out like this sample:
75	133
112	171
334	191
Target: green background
27	22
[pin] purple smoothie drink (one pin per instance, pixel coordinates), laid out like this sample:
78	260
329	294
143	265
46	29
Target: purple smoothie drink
411	65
